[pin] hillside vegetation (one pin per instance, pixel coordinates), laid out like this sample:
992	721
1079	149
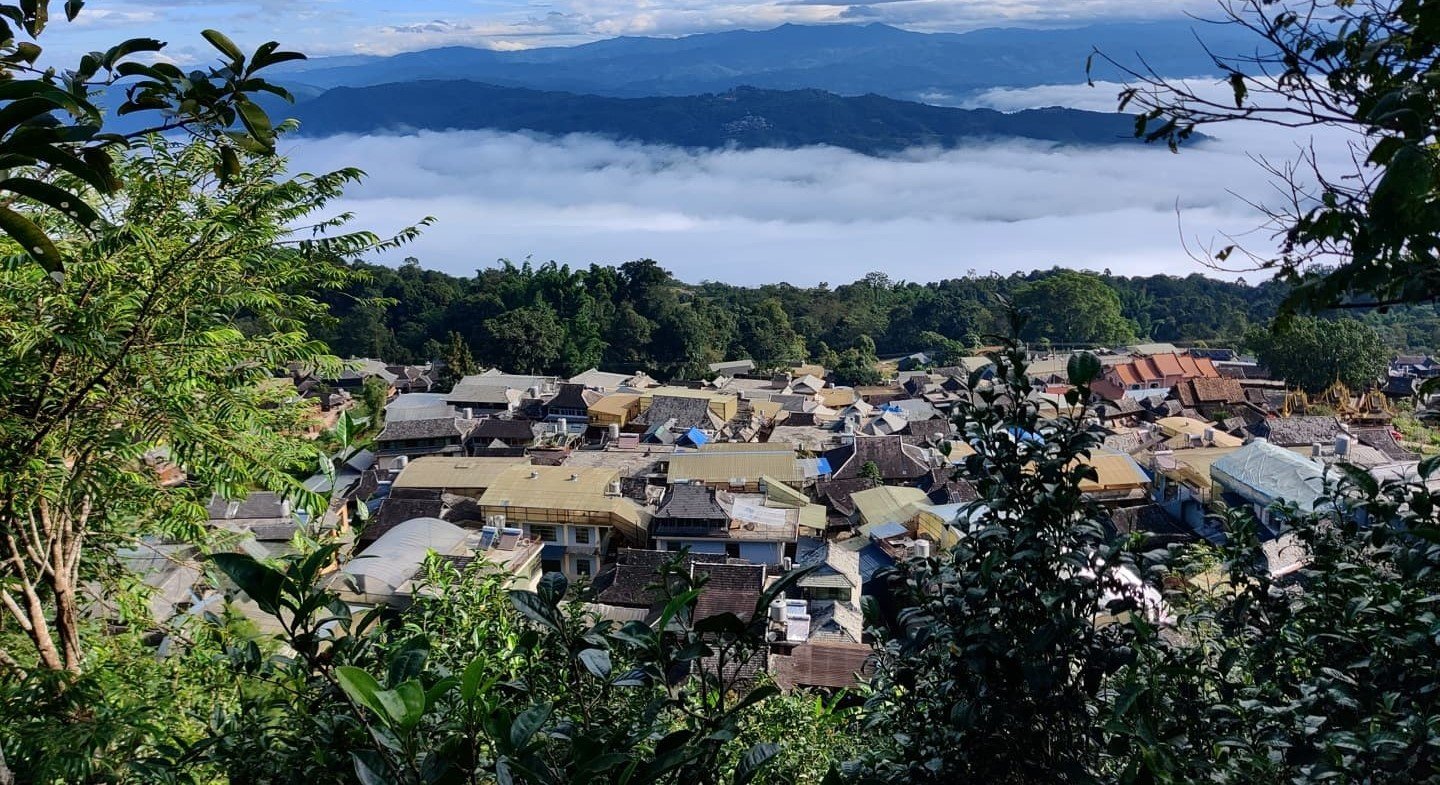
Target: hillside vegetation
743	117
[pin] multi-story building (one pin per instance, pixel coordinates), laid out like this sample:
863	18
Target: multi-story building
575	512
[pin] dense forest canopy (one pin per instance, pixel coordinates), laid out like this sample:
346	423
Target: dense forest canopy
558	319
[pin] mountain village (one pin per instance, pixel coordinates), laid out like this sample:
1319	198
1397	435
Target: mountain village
605	477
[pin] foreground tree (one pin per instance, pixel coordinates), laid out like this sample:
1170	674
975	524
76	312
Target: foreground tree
1364	236
1313	354
994	668
53	141
485	684
139	353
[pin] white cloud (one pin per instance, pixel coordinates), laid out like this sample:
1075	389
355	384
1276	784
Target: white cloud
818	213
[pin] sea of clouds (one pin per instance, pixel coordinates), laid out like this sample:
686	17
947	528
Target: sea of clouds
821	214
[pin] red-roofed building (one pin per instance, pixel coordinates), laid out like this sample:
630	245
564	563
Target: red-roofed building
1159	371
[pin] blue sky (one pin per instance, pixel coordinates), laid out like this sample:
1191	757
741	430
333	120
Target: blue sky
336	27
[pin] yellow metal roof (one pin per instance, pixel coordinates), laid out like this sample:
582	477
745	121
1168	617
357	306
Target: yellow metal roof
888	503
581	489
838	397
615	403
1177	426
748	447
730	465
443	472
778	494
767	409
1116	471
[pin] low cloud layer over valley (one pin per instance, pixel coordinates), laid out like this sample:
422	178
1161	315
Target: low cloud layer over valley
816	214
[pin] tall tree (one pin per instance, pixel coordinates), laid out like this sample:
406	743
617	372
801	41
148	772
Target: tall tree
137	349
459	362
1315	353
771	340
526	340
1070	307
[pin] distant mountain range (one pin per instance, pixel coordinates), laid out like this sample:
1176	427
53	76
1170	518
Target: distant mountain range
842	59
745	117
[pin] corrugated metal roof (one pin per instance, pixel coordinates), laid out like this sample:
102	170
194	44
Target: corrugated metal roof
887	503
725	466
394	558
454	472
581	489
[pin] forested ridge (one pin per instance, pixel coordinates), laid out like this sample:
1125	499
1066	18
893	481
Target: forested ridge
559	319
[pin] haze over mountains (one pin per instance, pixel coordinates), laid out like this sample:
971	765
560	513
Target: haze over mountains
842	59
796	153
744	117
869	88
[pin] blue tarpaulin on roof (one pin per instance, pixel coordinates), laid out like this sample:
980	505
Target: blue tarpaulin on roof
882	531
890	407
696	437
822	466
1023	435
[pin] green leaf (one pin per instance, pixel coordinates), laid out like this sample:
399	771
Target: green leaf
227	47
1427	467
527	723
34	241
367	773
72	9
1083	368
362	688
754	760
597	661
256	122
404	704
1362	479
535	609
410	660
54	197
552	588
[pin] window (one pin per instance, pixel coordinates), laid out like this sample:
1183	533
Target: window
582	535
582	568
830	593
550	565
544	533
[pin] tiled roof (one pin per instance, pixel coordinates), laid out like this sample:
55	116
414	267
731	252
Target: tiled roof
256	505
1168	364
833	665
895	459
1298	431
436	428
1147	518
686	412
1218	390
943	486
397	510
498	428
730	588
689	501
628	582
1383	440
837	493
